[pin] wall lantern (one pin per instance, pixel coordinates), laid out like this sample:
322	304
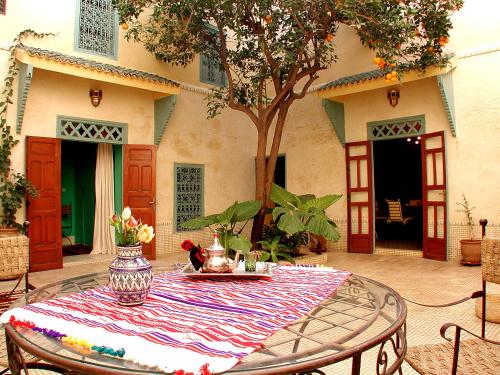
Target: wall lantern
393	97
95	97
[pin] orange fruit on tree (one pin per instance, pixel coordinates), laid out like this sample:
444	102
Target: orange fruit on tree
377	60
268	19
329	37
430	49
124	26
393	73
388	76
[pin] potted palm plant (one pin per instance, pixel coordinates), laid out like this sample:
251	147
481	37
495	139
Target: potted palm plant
470	247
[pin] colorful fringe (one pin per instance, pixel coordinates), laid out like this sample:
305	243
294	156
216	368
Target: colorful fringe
70	340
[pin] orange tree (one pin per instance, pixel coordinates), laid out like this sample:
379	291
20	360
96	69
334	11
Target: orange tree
271	51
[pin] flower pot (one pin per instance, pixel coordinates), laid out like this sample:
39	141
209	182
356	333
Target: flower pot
130	276
471	252
9	232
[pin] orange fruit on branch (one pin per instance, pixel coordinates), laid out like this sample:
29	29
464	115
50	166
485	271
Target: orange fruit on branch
268	19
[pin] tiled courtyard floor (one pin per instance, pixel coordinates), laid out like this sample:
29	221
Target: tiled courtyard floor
413	277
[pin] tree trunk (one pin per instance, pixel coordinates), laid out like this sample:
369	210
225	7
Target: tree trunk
260	184
265	171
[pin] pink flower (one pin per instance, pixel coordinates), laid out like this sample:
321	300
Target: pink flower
132	222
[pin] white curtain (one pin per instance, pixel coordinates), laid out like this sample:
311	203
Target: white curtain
104	235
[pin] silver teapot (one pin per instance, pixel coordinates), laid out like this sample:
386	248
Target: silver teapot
216	260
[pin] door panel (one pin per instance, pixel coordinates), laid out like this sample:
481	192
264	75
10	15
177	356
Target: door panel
139	187
434	196
359	197
44	212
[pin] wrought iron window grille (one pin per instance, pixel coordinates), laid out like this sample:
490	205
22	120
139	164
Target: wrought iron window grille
91	130
189	182
97	27
397	128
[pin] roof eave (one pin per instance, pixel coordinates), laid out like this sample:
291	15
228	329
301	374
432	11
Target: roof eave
160	89
377	83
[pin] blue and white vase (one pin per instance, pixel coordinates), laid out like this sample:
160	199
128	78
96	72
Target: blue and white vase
130	276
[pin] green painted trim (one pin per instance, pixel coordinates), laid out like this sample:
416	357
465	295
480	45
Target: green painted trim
164	108
114	55
24	84
445	84
61	118
374	124
118	176
202	203
335	112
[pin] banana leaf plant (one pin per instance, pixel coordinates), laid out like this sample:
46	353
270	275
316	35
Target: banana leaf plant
225	225
294	214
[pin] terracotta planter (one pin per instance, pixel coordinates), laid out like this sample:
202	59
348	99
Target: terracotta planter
9	232
471	252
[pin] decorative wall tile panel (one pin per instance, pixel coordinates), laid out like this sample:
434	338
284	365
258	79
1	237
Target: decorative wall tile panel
398	128
188	193
91	130
97	27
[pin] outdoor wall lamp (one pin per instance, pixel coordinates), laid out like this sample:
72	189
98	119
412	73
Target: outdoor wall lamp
393	97
95	97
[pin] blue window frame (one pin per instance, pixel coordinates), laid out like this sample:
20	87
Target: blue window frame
188	193
97	27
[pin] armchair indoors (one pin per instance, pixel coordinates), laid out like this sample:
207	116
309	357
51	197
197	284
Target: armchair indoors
395	212
472	356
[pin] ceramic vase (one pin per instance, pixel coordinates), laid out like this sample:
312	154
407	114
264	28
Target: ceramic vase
130	276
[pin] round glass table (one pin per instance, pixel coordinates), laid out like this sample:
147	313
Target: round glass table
362	315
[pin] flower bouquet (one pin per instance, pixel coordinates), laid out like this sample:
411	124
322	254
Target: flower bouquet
129	231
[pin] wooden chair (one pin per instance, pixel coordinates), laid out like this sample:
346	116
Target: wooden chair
472	356
396	213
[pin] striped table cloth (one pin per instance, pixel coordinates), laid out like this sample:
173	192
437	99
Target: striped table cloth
184	323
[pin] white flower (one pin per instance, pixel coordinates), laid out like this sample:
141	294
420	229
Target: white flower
126	213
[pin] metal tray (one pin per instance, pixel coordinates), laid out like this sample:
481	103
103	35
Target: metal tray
262	270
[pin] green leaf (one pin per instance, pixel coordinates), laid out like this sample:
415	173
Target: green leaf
290	224
283	198
229	215
322	203
318	225
264	256
286	256
240	243
278	211
306	197
247	210
196	223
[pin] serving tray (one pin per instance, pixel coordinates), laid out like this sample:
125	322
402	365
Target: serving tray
262	270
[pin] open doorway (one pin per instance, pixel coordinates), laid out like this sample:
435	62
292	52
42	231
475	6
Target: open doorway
78	160
397	170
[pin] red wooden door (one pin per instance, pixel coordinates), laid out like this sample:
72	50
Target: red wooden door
434	196
139	187
359	197
43	157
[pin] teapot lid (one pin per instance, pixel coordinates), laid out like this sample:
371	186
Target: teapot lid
216	245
